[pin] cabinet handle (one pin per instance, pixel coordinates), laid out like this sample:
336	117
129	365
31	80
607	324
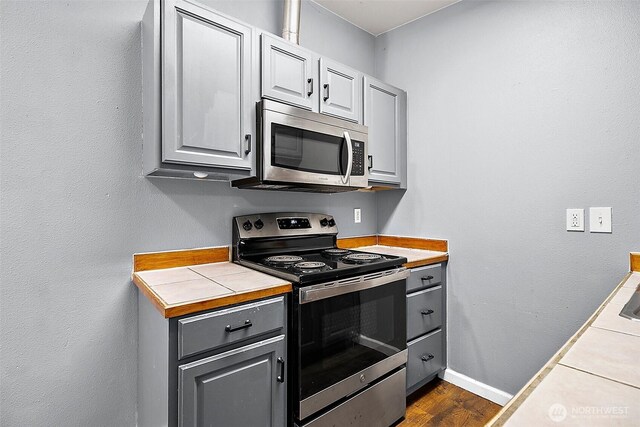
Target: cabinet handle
326	91
247	324
427	357
426	312
370	161
247	137
280	377
425	278
310	88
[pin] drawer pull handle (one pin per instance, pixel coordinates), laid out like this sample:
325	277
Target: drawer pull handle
247	324
426	312
280	377
427	357
426	278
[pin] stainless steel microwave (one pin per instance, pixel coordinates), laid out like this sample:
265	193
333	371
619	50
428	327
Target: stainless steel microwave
305	151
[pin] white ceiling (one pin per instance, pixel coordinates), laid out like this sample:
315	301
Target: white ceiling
380	16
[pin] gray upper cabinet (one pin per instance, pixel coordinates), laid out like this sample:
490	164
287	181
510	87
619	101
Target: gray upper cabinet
238	388
341	91
199	92
385	113
206	87
203	73
288	73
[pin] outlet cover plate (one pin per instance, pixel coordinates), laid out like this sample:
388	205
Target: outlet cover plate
575	219
600	220
357	215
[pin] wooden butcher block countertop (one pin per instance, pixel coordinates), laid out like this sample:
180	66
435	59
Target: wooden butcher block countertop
200	279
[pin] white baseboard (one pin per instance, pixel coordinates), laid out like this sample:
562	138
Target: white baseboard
476	387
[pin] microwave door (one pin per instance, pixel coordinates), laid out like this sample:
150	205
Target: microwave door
307	152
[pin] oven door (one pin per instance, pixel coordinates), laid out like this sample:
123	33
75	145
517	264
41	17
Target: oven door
298	149
348	335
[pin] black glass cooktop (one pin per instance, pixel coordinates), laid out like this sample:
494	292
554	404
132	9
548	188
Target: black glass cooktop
317	266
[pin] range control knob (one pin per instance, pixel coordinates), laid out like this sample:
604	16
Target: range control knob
332	222
247	225
324	222
258	224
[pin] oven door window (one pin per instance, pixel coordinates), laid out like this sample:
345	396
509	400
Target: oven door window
309	151
342	335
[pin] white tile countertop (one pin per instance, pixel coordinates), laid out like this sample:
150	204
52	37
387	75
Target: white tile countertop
190	289
594	380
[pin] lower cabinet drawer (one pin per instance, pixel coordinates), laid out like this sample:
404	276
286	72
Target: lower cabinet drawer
426	357
424	311
424	277
216	329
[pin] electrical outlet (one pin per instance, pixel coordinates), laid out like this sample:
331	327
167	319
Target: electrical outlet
600	220
357	216
575	219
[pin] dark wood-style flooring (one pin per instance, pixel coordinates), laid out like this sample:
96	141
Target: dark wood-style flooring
440	403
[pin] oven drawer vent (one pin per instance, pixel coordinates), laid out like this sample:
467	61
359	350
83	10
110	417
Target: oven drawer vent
346	281
376	275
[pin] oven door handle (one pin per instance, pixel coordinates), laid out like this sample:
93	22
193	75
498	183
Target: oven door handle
347	140
332	289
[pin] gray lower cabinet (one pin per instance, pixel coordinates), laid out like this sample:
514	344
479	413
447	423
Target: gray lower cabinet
426	325
224	367
425	359
238	388
385	113
199	94
424	311
289	73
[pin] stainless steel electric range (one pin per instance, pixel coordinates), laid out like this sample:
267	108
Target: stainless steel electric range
347	320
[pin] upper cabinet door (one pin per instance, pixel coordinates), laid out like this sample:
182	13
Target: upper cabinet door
385	113
340	91
288	73
206	87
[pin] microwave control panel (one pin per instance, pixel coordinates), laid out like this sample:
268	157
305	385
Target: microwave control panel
357	168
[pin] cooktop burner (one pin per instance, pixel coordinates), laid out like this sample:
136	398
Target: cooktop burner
362	258
282	260
309	265
335	252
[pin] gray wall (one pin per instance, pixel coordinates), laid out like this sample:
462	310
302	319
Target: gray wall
74	208
517	111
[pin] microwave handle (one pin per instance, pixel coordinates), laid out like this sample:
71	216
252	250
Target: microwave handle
347	139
